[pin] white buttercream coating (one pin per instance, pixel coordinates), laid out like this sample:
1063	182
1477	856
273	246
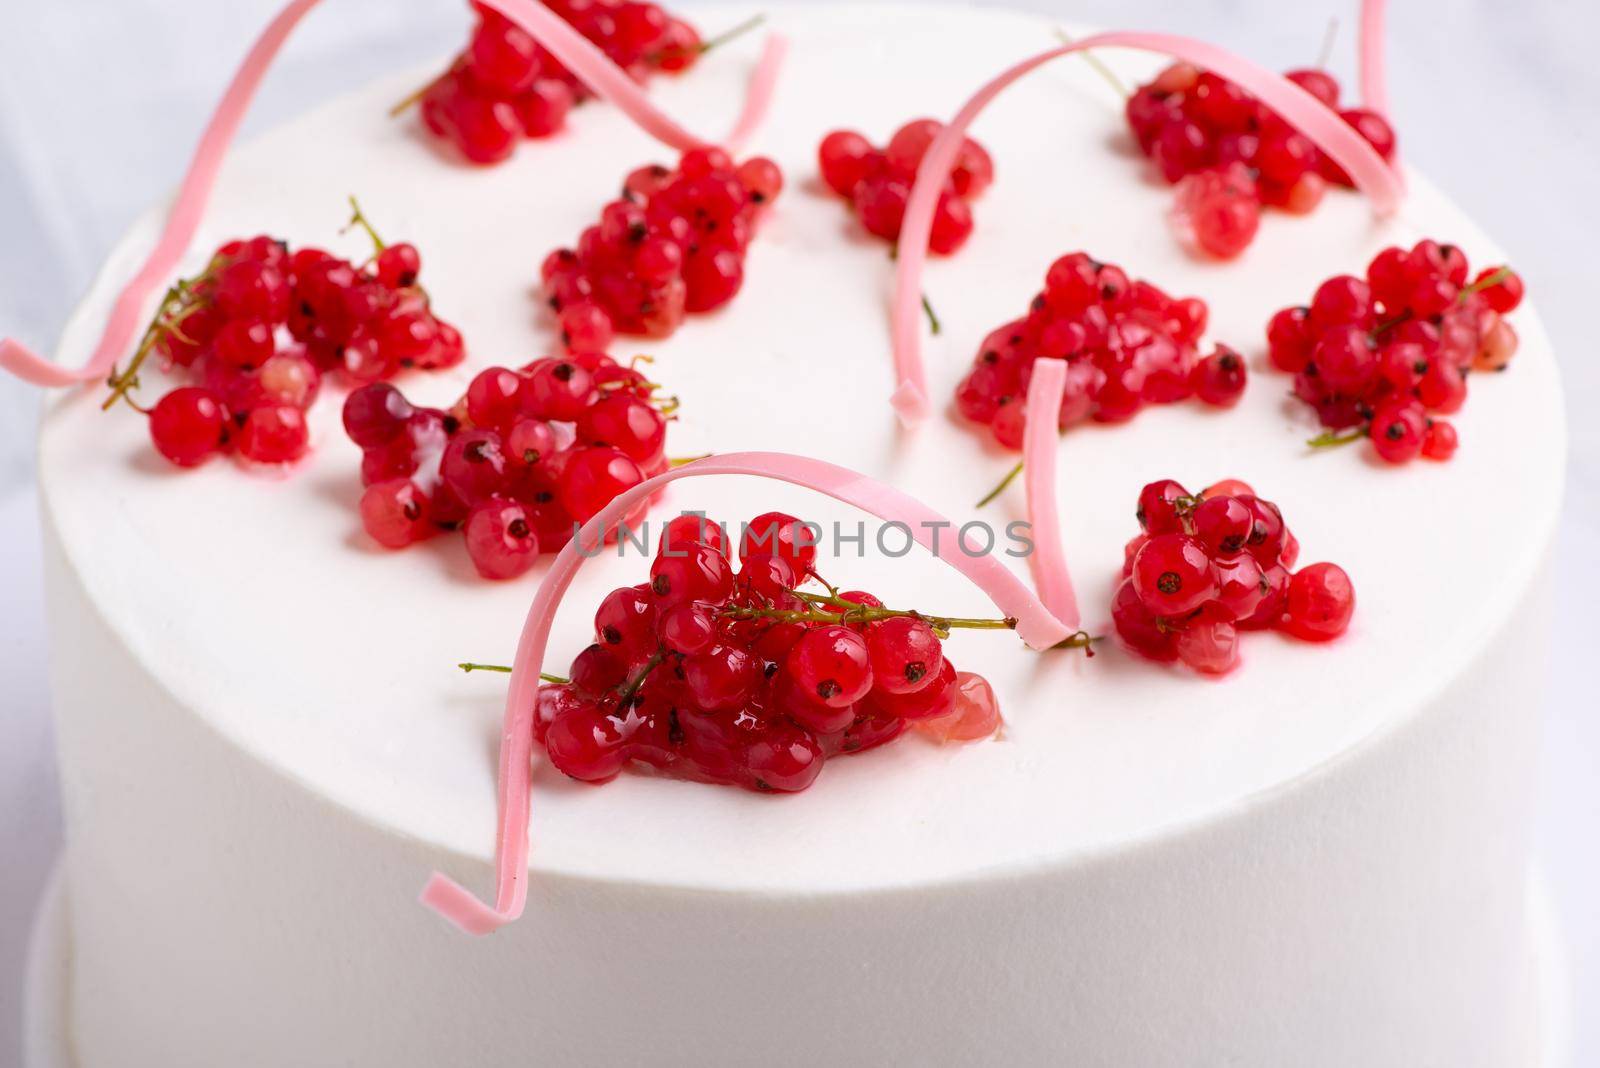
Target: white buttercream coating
260	612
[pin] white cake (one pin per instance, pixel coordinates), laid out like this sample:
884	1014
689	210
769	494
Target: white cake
266	746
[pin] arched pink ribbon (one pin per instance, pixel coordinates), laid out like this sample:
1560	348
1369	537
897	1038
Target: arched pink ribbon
570	47
1374	83
1374	177
1040	440
1035	625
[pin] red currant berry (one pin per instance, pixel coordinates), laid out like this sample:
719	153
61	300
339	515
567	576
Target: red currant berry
188	426
1223	525
587	744
1397	431
501	539
782	535
723	678
1439	443
398	266
558	390
687	627
276	434
700	573
1319	603
784	758
831	665
1139	628
1219	210
845	159
473	466
1220	378
494	399
1172	575
690	529
1159	511
1209	645
244	343
592	478
905	654
1241	586
395	513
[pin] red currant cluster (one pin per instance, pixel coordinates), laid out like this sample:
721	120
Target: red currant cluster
674	243
1384	354
506	86
1126	343
740	677
877	182
1231	154
259	328
1206	567
521	461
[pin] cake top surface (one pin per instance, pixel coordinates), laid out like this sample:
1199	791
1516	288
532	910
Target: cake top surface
262	608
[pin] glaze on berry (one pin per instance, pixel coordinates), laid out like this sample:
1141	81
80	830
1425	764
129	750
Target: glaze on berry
257	331
877	182
1204	568
1126	343
1386	355
674	244
504	86
701	674
521	459
1230	155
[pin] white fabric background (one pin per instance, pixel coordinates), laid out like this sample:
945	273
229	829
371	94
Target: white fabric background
100	102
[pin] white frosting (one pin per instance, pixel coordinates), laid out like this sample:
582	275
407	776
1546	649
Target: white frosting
231	648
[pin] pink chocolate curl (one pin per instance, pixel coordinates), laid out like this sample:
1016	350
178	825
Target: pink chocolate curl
1040	439
1374	79
1035	625
570	47
1321	124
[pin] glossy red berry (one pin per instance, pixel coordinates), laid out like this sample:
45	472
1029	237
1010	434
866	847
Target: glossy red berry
1172	575
188	426
1161	507
501	538
1220	211
831	665
1220	378
700	573
1440	442
905	654
845	159
395	513
274	435
784	758
1319	603
592	478
1398	429
782	535
1140	628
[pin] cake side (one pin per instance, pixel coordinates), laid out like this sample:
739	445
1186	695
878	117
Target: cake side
1370	912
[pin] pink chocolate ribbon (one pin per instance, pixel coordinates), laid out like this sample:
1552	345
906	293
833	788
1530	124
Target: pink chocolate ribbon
1036	625
1040	440
571	48
1321	124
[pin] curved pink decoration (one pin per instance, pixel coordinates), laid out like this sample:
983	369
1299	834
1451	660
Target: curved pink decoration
1041	439
1035	625
570	47
758	94
1374	79
1317	121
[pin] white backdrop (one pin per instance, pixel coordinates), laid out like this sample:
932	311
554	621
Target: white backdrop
100	102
